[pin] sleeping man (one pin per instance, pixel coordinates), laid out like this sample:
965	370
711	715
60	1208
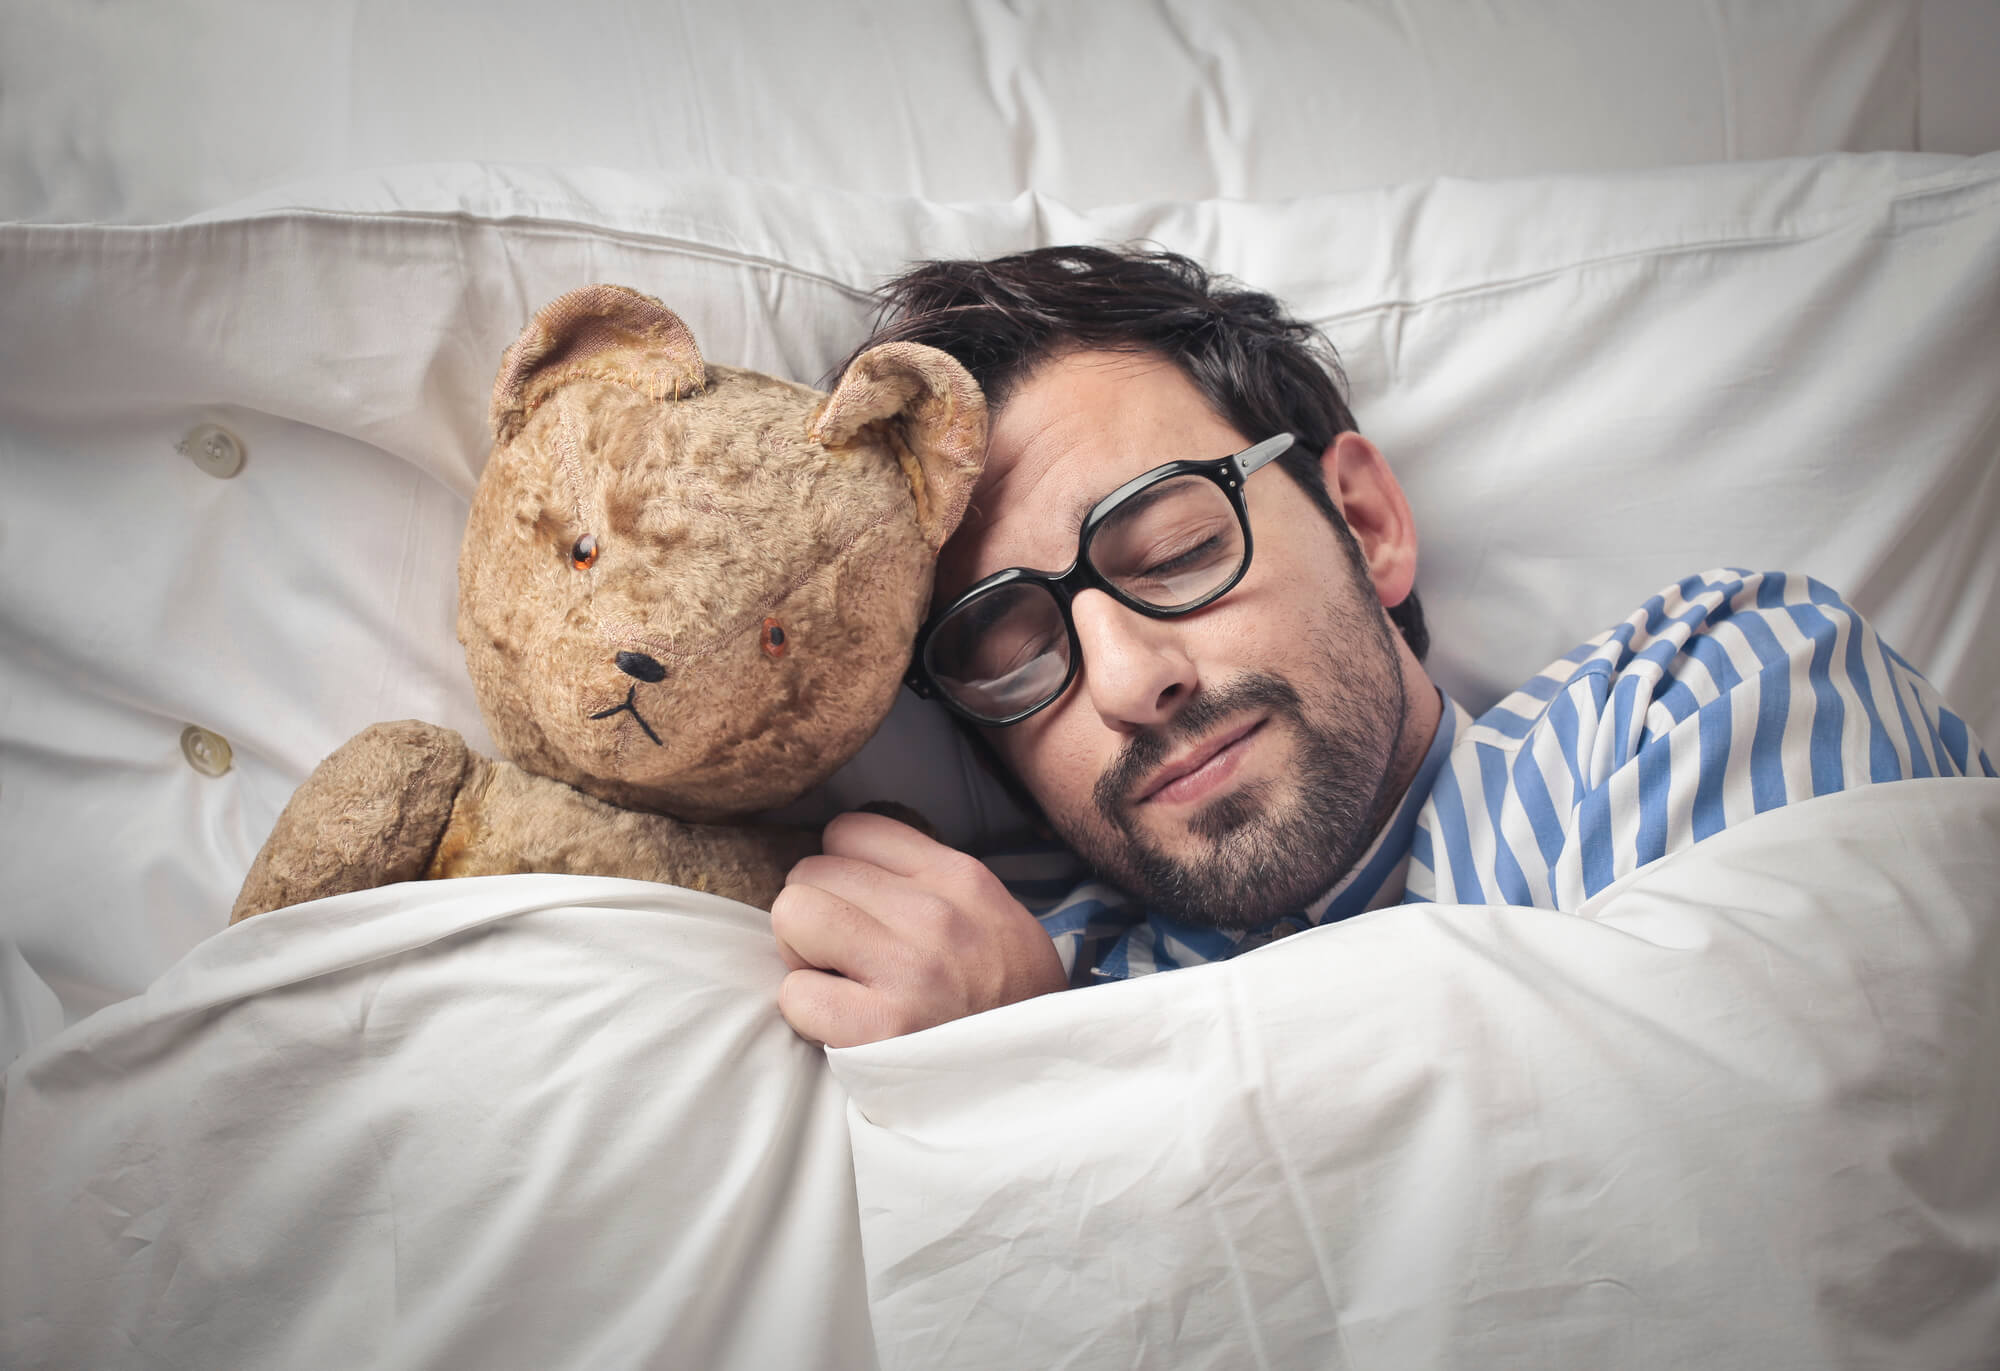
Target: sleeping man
1180	613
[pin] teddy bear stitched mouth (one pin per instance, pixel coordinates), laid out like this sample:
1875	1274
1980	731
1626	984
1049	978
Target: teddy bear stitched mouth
631	692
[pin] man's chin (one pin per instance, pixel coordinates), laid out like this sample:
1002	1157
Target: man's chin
1232	863
1223	818
1283	830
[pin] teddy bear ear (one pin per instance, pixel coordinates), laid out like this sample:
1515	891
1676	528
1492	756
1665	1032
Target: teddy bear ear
612	333
923	397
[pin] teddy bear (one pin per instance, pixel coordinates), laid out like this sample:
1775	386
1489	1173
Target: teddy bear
687	593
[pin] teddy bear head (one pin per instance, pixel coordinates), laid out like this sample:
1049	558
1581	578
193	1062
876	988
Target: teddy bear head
690	588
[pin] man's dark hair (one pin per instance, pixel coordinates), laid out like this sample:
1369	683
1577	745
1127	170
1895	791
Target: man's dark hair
1259	368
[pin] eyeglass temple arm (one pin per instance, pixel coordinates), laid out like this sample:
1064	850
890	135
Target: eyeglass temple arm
1251	458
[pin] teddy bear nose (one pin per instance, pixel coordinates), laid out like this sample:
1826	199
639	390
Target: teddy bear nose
640	665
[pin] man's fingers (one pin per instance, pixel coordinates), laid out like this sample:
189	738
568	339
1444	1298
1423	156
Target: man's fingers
818	928
896	847
793	961
913	932
829	1009
861	883
881	841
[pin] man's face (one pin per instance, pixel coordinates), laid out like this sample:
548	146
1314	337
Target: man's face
1227	765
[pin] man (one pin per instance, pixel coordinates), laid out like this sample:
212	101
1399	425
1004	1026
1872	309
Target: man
1210	680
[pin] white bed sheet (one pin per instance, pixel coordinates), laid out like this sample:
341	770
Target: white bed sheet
1739	1114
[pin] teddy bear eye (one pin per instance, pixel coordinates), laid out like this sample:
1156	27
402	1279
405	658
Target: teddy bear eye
583	552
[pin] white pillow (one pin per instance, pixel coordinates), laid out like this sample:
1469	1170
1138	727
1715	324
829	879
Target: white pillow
1589	386
1739	1114
1958	50
526	1121
150	115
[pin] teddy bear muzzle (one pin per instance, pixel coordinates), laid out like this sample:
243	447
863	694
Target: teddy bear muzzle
639	667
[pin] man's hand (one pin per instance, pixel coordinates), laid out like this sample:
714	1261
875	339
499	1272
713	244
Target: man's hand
888	932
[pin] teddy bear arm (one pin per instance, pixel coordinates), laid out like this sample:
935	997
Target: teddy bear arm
508	820
371	814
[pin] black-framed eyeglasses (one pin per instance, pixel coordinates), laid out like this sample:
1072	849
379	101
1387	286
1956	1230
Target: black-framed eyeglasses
1163	544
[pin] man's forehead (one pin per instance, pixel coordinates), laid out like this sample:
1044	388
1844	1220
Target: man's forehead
1076	429
1036	482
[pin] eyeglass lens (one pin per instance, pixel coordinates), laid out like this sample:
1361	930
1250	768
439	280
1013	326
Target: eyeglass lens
1168	546
1171	543
1003	652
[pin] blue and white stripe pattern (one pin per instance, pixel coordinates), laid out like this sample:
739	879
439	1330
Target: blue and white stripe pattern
1722	696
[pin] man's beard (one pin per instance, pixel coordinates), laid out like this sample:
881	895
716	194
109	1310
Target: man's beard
1260	852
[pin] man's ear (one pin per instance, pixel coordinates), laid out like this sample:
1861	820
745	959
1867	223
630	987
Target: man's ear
1372	502
610	332
930	412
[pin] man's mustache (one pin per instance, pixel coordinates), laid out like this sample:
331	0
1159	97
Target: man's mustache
1144	752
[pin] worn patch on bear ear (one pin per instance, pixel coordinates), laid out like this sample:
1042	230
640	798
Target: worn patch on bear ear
913	472
603	332
886	433
929	411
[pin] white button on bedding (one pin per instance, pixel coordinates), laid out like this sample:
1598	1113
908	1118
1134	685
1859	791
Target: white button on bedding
214	449
209	753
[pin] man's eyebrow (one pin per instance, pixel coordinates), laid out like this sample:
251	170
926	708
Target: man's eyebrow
1080	508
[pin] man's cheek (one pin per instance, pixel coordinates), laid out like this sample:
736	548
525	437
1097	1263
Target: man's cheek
1041	757
1062	779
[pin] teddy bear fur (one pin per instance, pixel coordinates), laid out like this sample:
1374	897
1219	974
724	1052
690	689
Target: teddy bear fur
687	593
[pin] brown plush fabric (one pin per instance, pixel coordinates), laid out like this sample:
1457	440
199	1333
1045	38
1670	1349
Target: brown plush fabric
931	413
507	821
685	590
371	814
611	332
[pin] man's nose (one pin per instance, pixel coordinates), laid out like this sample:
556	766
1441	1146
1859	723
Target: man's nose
1135	669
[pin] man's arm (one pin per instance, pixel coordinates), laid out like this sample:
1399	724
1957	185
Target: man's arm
1726	695
888	932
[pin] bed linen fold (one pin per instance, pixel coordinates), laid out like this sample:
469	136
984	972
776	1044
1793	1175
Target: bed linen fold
525	1121
1738	1111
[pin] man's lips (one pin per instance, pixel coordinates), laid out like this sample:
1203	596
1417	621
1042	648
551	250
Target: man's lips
1162	785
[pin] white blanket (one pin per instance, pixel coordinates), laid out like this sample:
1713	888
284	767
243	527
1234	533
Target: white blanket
1740	1113
525	1121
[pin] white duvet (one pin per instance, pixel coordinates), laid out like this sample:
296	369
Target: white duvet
1738	1111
